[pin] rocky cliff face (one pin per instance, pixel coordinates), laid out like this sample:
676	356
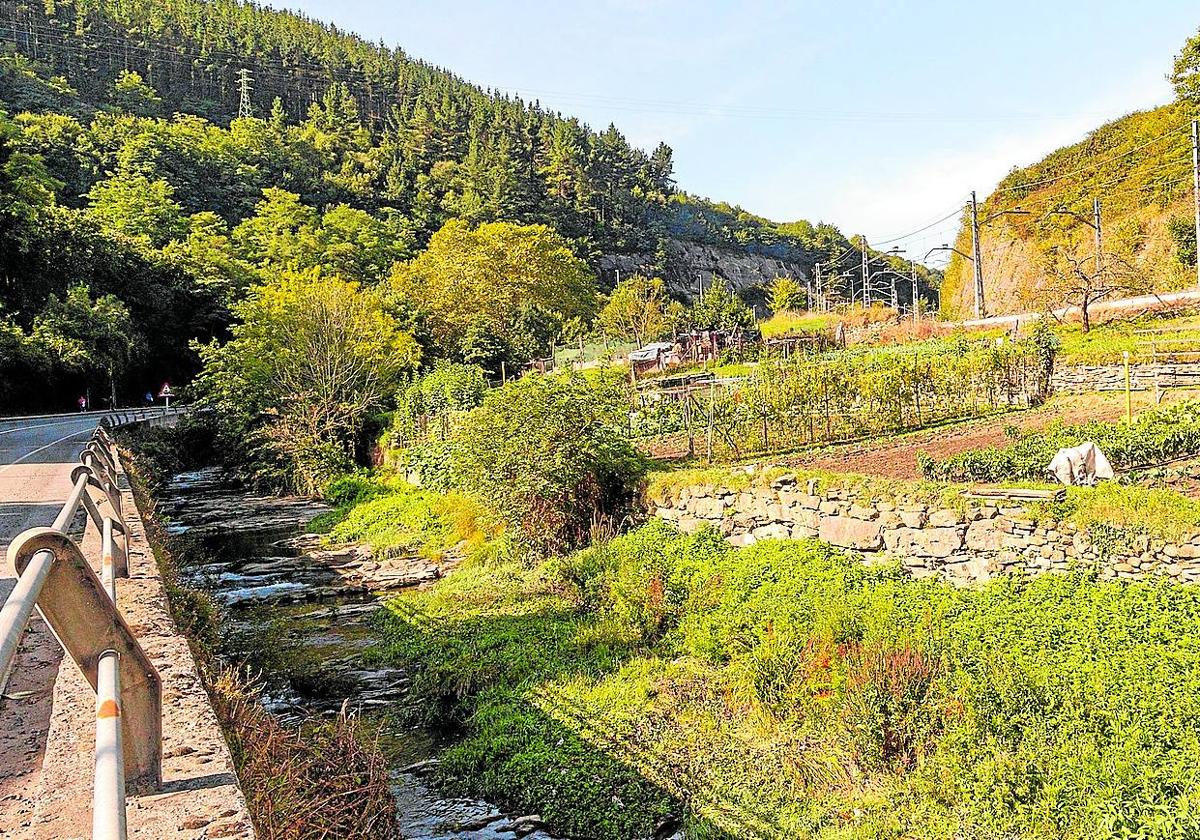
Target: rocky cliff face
689	262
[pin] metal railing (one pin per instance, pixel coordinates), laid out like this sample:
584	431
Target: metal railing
80	607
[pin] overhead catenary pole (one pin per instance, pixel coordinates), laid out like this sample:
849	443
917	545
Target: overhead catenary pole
980	309
1196	188
866	274
912	267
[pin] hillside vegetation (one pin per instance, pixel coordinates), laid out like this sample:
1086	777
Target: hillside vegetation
129	167
1140	169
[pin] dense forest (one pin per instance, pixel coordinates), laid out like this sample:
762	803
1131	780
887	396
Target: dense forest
157	159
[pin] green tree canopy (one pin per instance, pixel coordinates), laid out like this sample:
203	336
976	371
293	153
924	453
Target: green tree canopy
131	93
785	293
85	336
638	310
131	204
718	308
310	356
507	286
1185	75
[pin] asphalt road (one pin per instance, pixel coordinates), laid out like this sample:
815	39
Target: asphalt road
36	457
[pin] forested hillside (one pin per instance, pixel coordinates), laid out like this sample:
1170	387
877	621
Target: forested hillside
128	170
1139	167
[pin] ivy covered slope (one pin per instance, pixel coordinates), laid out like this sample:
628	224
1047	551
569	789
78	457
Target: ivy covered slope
1139	167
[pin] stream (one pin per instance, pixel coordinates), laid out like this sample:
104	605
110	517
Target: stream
302	615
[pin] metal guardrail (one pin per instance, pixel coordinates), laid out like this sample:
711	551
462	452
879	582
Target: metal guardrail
80	607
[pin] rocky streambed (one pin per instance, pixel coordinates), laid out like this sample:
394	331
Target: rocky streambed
300	615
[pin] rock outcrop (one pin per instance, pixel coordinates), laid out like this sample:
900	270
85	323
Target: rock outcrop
689	262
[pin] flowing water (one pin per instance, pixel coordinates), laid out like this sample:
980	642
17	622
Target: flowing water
302	616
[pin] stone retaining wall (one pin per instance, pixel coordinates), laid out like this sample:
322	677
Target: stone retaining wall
968	543
1082	378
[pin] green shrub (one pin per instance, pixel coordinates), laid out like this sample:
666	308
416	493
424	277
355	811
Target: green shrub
552	453
427	406
787	690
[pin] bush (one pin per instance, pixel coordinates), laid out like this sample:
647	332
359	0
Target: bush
552	453
428	405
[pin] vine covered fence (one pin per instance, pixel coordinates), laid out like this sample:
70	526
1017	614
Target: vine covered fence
791	404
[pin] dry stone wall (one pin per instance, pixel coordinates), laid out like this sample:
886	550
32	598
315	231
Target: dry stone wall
1077	379
966	543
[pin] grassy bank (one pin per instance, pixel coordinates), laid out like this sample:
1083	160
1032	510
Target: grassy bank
324	778
784	690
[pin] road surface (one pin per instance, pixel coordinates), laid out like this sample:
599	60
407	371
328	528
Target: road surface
36	457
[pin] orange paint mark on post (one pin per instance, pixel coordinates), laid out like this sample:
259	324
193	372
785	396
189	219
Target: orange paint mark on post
108	709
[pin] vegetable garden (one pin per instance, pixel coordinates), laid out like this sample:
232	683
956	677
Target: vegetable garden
1153	438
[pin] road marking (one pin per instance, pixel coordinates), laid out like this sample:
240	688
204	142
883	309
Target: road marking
43	425
33	452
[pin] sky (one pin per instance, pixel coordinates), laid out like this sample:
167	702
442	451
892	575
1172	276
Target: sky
879	117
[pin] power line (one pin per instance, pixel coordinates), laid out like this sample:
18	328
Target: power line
617	102
1091	166
956	212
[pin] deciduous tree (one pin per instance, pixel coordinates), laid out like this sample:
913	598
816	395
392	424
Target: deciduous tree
310	356
637	310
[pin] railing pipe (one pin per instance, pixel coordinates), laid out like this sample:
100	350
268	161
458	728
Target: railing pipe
67	514
107	573
108	792
14	615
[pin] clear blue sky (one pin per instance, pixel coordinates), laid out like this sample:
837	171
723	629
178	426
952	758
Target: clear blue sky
876	116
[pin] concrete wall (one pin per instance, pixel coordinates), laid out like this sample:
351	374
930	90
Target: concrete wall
964	543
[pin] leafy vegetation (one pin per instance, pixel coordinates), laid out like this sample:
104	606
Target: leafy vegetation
785	404
309	358
496	293
639	310
1154	437
553	455
786	690
1137	166
127	166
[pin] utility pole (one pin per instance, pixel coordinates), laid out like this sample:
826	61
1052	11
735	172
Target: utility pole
820	299
866	275
1196	188
1099	237
245	87
980	309
912	267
